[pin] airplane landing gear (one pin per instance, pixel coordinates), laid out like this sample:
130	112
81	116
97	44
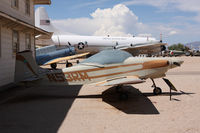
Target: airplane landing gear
156	90
53	66
68	64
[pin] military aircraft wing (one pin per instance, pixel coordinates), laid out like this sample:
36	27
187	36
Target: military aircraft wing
143	45
121	81
145	48
65	58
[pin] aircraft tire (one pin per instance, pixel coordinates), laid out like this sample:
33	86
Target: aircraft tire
69	64
157	91
53	66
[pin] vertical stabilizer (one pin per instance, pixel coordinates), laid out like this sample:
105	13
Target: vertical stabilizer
42	20
25	67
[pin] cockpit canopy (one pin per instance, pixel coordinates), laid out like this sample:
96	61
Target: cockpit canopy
108	57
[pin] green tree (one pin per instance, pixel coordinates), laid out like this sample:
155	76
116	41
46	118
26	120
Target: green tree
179	47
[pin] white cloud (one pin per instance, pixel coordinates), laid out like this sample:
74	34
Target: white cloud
116	21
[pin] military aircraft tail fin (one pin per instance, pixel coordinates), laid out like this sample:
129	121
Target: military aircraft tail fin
26	67
42	20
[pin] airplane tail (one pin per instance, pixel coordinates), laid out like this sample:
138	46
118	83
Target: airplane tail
26	68
42	20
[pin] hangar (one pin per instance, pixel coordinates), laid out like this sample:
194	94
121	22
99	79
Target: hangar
17	33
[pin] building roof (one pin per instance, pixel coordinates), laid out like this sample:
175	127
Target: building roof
15	23
42	2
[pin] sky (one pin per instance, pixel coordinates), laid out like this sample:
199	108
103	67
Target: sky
177	20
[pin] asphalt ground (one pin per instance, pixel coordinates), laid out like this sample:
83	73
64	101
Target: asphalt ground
67	109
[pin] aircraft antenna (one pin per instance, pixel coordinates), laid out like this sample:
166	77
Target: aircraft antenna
161	37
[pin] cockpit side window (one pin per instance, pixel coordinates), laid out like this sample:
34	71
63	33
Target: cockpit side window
108	57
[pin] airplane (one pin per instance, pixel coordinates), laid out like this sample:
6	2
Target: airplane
106	68
94	44
50	55
176	53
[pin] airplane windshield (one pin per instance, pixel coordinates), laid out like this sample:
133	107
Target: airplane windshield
108	57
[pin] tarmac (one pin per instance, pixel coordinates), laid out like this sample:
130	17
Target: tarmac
85	109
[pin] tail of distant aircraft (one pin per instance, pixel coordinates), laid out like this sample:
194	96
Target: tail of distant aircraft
25	67
42	20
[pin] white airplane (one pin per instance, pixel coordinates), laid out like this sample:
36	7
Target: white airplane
94	44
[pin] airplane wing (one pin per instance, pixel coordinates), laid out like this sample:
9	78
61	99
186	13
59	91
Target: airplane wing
65	58
149	45
120	81
146	48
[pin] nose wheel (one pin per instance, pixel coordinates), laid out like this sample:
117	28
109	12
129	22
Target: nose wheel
156	90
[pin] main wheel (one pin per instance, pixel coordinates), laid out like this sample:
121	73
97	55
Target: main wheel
53	66
68	64
157	91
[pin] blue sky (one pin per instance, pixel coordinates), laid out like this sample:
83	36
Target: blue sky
177	20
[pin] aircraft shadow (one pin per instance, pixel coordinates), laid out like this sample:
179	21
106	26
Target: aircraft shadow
35	109
137	103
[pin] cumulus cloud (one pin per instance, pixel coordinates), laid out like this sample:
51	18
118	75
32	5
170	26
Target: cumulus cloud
116	21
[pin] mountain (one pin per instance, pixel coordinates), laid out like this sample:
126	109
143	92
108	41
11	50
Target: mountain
193	45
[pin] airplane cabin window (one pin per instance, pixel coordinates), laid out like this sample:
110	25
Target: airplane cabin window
108	57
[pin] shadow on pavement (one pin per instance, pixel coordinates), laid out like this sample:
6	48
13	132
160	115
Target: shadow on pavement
35	109
137	103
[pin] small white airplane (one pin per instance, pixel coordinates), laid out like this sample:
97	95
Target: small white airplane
94	44
107	68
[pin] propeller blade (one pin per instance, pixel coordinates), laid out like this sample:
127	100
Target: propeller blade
171	86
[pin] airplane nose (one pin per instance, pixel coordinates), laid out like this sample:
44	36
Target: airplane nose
176	62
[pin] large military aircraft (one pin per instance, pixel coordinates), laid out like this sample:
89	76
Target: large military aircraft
107	68
94	44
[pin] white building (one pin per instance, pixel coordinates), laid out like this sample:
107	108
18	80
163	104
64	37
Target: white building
17	33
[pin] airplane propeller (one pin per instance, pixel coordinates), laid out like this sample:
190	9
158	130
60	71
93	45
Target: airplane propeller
171	86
